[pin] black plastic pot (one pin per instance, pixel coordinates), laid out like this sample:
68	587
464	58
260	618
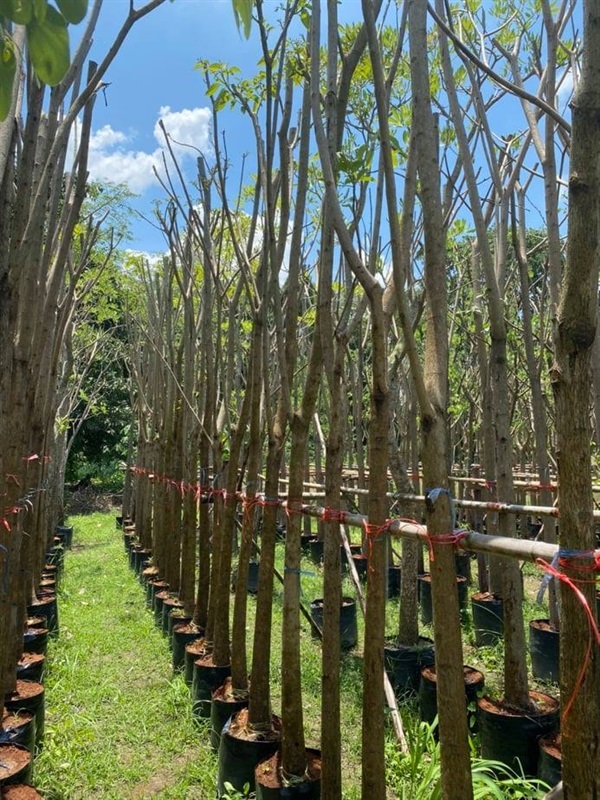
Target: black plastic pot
316	550
361	564
238	759
425	602
159	599
177	616
462	564
305	542
221	710
403	664
193	651
252	582
544	650
488	618
205	680
511	737
35	640
119	521
394	581
169	604
55	555
20	770
182	636
141	556
269	772
550	759
348	624
18	728
153	587
31	667
474	683
29	696
65	534
46	607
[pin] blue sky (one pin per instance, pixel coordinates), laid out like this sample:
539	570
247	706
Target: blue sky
154	76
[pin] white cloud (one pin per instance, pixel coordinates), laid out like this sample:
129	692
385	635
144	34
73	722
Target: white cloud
113	156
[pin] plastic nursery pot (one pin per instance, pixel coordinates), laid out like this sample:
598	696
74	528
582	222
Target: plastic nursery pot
474	683
16	764
305	542
544	650
35	640
159	599
206	678
177	616
270	784
240	751
348	624
488	618
403	664
253	570
30	667
361	564
46	607
462	563
394	581
35	622
148	574
51	571
510	735
170	604
550	759
141	556
119	521
316	550
425	602
152	589
224	704
65	534
18	727
193	651
20	791
183	634
29	696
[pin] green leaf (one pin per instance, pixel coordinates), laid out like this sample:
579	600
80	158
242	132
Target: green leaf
18	11
73	10
242	10
48	45
40	9
8	66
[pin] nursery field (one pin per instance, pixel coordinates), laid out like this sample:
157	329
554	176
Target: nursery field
120	725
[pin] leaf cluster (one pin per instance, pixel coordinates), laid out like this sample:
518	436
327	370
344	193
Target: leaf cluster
47	36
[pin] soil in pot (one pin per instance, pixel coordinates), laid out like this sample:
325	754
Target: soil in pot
241	749
403	664
18	727
15	764
510	735
206	678
19	791
177	616
550	760
46	607
193	651
30	667
183	634
544	650
270	784
29	696
474	683
224	704
488	618
348	624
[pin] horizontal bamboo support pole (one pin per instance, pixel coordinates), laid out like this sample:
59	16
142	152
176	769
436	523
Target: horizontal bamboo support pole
522	549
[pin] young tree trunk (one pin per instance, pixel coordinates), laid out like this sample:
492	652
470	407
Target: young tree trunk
577	319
